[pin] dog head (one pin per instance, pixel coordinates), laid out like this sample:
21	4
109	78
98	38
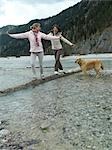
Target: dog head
78	60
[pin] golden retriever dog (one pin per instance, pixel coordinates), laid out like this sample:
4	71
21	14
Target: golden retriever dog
86	65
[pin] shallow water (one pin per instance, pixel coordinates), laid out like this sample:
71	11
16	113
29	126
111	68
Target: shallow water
17	71
76	112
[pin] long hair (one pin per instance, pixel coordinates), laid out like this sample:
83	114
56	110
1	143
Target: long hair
58	27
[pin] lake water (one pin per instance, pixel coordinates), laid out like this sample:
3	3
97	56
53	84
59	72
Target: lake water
16	71
76	112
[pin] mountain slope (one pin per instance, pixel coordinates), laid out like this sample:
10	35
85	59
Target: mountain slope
84	24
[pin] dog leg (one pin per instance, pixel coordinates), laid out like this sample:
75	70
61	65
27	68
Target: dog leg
85	73
97	73
97	76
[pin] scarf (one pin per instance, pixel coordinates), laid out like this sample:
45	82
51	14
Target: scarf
36	38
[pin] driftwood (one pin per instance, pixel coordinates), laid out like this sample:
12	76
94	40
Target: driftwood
37	82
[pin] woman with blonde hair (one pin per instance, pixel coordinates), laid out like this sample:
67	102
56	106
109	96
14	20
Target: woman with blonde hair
36	48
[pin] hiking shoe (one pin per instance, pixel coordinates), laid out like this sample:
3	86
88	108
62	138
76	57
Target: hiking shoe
56	72
62	71
42	76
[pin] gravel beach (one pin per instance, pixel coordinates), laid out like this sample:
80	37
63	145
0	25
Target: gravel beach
70	113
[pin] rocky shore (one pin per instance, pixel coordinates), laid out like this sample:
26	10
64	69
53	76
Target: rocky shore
70	113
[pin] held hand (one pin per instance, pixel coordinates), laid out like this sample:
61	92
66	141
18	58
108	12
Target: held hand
59	35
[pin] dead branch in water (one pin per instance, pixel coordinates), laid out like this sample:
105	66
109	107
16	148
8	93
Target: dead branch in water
36	82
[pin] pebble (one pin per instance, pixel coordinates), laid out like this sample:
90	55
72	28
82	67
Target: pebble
45	126
4	133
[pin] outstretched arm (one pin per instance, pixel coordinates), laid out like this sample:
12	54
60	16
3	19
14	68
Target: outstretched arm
19	35
49	36
66	41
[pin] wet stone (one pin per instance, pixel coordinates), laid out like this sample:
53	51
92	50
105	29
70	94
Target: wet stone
45	126
3	122
4	133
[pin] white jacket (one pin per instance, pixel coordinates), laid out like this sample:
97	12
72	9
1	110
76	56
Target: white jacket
56	43
30	36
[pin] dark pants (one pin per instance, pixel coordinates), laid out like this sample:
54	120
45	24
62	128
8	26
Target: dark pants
58	64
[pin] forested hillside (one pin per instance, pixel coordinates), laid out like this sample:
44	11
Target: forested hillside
88	24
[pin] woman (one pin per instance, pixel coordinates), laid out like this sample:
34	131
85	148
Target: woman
36	48
57	47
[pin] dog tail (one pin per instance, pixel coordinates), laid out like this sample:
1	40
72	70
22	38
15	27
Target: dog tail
102	67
